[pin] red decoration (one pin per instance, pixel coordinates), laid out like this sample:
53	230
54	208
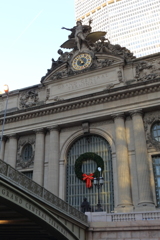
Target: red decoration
88	179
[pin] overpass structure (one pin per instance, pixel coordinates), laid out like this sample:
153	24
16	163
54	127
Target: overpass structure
28	211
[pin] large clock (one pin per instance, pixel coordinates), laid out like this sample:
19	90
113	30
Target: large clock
81	61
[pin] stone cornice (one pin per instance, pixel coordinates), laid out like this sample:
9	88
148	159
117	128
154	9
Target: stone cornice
154	55
115	94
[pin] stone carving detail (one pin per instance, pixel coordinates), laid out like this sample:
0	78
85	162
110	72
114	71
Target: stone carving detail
146	71
149	120
85	127
69	72
47	93
57	99
110	85
105	46
120	77
20	164
84	42
104	63
28	99
3	168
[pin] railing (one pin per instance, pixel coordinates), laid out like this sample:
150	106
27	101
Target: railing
122	217
18	179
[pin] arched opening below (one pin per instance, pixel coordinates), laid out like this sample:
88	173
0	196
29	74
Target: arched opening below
76	189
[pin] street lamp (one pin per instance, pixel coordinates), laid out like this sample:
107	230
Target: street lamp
98	182
6	90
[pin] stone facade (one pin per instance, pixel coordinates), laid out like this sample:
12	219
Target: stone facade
115	98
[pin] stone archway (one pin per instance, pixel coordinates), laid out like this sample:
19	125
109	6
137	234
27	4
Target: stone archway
29	214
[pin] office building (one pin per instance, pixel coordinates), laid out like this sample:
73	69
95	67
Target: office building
134	24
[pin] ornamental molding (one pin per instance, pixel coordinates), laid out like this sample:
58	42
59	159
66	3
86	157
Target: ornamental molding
20	163
84	101
149	120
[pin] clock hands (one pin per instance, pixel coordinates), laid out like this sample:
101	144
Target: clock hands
82	62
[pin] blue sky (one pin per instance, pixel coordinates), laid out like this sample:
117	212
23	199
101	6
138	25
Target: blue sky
31	34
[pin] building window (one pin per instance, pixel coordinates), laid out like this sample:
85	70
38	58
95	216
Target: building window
156	170
156	131
28	174
27	152
76	189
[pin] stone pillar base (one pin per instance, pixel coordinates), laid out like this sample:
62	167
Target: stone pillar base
145	207
123	209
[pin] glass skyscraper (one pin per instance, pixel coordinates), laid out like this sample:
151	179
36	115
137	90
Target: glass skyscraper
134	24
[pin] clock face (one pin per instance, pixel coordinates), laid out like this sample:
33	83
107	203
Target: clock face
82	61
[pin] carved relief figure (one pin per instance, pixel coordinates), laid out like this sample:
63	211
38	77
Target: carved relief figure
146	71
28	99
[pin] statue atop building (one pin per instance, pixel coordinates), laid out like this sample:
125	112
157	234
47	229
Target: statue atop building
81	36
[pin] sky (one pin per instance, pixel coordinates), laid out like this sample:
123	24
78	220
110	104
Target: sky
31	34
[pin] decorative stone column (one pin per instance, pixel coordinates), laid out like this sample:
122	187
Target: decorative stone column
124	185
2	148
12	150
62	176
38	171
145	194
53	165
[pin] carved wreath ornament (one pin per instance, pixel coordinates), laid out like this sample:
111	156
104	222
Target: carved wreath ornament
78	167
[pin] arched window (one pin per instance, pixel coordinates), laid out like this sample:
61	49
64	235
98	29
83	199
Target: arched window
76	189
156	131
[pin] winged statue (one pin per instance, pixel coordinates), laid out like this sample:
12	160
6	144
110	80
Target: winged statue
81	34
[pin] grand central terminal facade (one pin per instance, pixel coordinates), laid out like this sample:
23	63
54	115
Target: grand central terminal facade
97	99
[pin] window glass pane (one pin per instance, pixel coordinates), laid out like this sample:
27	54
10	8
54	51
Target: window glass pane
157	170
156	131
156	160
29	174
27	152
158	182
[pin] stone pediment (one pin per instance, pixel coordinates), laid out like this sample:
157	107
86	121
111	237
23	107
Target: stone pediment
98	61
90	51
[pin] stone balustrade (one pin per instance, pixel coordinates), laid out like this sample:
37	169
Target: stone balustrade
121	217
18	179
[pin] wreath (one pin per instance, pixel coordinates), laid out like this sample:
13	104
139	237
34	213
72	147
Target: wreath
78	167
